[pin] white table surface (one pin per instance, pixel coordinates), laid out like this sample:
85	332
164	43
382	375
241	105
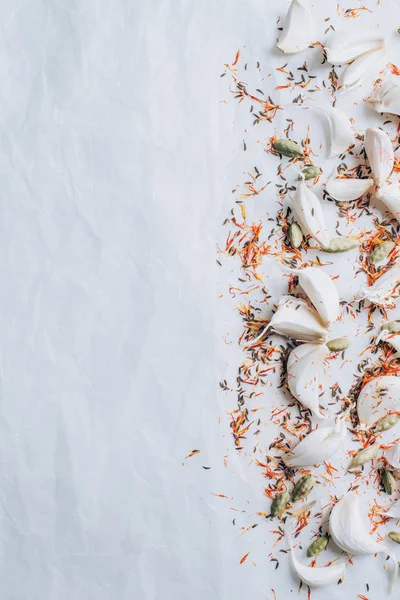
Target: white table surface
117	159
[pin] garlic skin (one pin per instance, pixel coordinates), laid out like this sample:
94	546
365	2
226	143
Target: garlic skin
383	290
344	48
304	370
295	319
393	456
394	511
348	527
377	398
345	190
386	98
318	446
365	66
317	576
392	339
379	149
308	212
298	29
390	196
321	291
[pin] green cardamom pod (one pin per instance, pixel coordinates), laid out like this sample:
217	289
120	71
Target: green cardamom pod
388	481
311	172
392	327
338	344
287	148
279	504
303	487
317	546
341	244
395	536
387	422
364	455
381	252
295	235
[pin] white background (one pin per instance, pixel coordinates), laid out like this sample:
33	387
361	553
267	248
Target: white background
117	161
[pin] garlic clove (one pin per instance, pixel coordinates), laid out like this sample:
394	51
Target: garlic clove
344	48
345	190
342	133
298	29
308	211
317	576
389	195
322	292
377	398
318	446
379	149
386	98
366	65
384	290
295	319
393	456
348	527
304	375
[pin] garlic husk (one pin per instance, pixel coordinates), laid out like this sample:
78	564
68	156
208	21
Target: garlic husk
317	576
389	195
321	291
377	398
393	456
298	29
382	292
304	374
318	446
386	98
394	511
348	527
342	133
308	211
379	150
390	338
345	190
344	48
366	66
295	319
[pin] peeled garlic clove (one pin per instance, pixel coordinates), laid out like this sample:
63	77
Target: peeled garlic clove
366	65
379	149
318	446
348	527
308	211
345	190
386	98
295	319
377	398
322	292
298	29
317	576
344	48
390	196
304	374
382	292
393	456
342	133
